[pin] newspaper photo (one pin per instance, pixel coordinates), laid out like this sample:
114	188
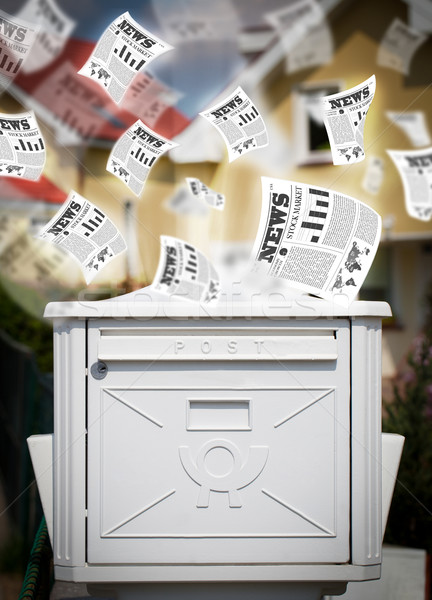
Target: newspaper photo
124	49
317	240
22	148
199	189
183	202
398	46
148	99
192	20
17	37
86	233
239	122
55	28
344	118
134	154
185	272
415	170
374	175
413	124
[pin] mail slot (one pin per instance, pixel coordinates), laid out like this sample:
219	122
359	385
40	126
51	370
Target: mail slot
188	343
194	446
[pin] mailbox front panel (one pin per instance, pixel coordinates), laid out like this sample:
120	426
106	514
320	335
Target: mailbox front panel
230	457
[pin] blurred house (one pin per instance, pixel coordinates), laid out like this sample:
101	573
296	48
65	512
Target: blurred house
36	201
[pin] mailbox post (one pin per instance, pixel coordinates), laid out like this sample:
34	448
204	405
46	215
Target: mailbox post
238	446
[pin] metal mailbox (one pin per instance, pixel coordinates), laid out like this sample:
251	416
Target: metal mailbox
214	445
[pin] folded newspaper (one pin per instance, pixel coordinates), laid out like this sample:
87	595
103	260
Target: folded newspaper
22	148
294	20
344	118
17	37
239	122
374	175
134	154
124	49
398	46
55	28
185	272
413	124
24	259
313	49
194	20
304	33
415	169
199	189
316	240
183	202
86	233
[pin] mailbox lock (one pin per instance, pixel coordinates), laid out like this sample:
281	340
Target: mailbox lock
99	370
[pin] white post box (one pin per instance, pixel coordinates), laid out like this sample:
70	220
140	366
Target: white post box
238	445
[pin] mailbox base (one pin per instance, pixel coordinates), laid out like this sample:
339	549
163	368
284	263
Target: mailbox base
215	591
121	575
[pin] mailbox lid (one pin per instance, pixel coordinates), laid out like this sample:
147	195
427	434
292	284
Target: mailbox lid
228	458
147	304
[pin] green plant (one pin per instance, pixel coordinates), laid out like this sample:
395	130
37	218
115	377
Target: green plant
409	413
13	555
27	329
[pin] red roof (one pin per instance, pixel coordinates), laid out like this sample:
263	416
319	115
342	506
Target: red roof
76	51
14	188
